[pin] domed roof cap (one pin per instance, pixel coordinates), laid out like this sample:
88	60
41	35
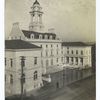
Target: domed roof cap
36	2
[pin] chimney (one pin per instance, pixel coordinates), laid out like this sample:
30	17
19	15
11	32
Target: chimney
51	30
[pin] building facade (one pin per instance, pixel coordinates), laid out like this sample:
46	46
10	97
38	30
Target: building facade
77	54
51	45
32	74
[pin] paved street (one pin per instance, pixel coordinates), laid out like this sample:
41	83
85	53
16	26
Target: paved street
83	90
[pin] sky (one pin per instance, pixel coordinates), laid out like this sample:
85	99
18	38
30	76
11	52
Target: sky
73	20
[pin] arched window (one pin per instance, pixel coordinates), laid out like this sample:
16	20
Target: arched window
32	36
40	36
35	75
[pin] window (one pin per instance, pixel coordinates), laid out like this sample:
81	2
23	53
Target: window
11	62
76	51
32	36
51	45
72	59
46	53
40	37
35	75
67	59
81	60
35	60
11	79
57	60
23	61
48	37
72	51
43	37
76	60
81	52
57	45
47	63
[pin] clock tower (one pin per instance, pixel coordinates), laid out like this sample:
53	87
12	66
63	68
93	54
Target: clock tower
36	17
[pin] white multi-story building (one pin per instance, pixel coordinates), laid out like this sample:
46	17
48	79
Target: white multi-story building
77	54
32	74
51	46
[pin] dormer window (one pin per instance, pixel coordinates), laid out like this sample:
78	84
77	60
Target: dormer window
32	36
40	36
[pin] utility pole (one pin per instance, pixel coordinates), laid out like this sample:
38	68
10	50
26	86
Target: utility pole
22	75
63	76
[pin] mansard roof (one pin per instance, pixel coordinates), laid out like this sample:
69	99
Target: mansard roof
27	33
74	44
19	44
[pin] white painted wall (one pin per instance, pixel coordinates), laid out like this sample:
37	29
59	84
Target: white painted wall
86	53
29	70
